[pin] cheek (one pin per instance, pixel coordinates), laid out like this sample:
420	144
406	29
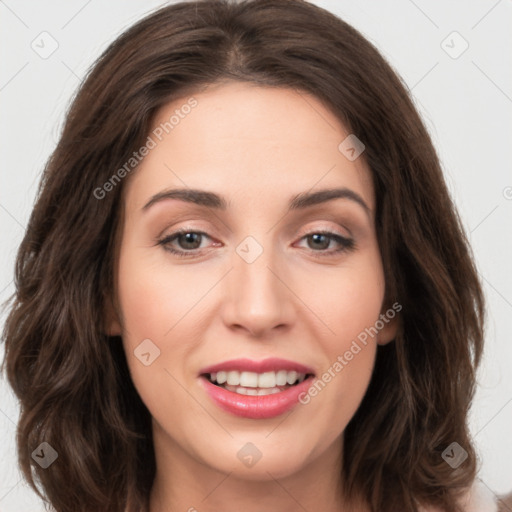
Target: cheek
346	299
349	302
162	303
350	353
152	305
340	391
156	299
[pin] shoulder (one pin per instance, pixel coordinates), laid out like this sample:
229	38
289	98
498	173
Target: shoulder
478	498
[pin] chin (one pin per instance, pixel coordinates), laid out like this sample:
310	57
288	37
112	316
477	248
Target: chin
259	460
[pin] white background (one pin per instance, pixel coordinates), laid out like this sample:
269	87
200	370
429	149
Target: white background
466	103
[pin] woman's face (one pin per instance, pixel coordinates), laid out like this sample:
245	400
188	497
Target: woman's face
257	281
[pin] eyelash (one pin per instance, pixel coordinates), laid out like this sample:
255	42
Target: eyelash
346	244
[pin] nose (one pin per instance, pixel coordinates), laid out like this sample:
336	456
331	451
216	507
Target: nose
258	299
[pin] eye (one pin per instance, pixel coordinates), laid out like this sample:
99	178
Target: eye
189	242
319	241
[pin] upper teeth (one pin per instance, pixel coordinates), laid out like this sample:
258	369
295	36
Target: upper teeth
257	380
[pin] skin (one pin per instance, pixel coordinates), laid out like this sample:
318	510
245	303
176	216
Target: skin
298	301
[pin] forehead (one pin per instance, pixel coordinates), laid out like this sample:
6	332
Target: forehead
248	142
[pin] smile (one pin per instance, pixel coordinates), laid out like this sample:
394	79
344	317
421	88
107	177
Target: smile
248	393
256	384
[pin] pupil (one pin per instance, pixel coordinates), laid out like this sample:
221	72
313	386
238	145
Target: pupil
189	239
316	238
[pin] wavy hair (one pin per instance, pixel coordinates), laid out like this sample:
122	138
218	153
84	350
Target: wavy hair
72	380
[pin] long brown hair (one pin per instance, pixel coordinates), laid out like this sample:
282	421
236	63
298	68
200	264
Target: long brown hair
72	380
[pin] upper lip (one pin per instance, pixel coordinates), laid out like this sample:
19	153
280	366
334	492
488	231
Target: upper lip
264	365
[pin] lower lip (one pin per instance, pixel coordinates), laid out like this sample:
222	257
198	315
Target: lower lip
256	407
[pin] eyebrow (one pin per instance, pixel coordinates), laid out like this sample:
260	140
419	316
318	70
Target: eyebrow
297	202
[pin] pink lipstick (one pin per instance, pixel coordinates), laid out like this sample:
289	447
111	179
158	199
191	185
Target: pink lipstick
256	389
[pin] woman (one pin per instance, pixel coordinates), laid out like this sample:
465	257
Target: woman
314	348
